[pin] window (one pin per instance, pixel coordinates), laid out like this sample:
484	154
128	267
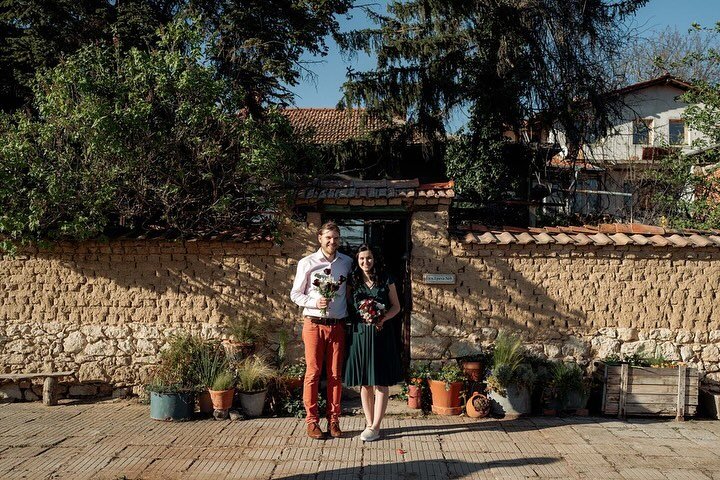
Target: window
641	131
677	132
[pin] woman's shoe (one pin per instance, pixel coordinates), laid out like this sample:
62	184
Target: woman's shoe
369	435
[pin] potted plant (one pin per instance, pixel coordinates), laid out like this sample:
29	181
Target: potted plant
478	406
446	388
174	382
292	375
565	385
417	376
222	390
253	375
243	334
210	361
473	364
510	381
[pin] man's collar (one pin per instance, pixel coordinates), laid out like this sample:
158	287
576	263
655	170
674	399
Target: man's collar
320	255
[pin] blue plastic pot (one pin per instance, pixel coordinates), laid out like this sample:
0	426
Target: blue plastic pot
171	406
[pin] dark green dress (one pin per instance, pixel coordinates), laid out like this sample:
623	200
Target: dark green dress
373	357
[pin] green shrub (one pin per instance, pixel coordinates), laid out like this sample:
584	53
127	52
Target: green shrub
225	380
253	374
449	373
210	360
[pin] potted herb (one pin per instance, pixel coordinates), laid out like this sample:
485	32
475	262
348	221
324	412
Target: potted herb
253	375
417	376
210	361
510	381
222	390
174	381
446	388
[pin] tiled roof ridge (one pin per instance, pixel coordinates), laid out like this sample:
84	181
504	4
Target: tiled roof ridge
331	125
618	234
334	109
665	79
376	192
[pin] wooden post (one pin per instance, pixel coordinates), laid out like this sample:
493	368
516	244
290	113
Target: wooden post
624	374
605	389
50	393
682	381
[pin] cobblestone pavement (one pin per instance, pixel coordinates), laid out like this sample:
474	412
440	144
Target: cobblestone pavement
120	441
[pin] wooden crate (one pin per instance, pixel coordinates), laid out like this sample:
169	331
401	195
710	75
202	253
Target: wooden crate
650	391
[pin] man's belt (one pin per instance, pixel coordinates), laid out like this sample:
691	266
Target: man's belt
324	321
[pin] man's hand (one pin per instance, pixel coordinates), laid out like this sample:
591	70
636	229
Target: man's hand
322	302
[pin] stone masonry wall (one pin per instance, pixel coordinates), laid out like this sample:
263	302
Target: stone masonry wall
106	309
580	302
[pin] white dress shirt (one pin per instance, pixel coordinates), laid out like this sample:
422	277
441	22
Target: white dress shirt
305	294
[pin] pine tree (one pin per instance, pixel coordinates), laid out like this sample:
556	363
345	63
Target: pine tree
502	62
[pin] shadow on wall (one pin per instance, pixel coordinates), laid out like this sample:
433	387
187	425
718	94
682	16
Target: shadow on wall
497	287
105	308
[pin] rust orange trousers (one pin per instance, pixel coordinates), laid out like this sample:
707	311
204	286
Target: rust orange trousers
323	343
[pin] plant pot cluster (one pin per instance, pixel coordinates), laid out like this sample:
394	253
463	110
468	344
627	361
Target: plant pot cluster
517	384
194	368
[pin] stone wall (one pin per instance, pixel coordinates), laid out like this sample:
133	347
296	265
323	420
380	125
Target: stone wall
581	302
106	309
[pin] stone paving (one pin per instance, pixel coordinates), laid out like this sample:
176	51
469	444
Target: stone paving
118	440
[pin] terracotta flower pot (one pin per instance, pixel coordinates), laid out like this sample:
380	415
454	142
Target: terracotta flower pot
205	402
222	399
446	402
473	370
477	406
414	396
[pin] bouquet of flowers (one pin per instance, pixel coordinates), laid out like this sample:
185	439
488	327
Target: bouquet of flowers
371	311
327	286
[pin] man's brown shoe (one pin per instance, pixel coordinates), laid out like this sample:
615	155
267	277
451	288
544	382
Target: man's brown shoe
313	431
335	431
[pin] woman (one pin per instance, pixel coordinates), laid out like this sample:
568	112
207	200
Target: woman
373	357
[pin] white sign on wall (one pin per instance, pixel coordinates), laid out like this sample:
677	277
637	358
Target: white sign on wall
439	278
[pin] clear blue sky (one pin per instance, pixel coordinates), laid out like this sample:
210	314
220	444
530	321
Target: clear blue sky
330	72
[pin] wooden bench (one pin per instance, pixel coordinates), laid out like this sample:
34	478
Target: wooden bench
50	394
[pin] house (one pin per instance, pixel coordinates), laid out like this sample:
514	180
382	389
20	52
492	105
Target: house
364	145
608	173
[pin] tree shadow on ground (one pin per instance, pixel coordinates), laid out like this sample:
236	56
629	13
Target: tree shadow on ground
521	424
422	469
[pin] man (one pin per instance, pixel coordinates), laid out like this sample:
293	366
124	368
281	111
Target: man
323	328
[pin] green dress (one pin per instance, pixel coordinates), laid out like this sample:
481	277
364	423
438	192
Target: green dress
373	356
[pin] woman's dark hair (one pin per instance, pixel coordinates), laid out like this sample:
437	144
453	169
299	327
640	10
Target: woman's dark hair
377	274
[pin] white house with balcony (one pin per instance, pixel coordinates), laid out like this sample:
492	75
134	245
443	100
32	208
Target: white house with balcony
610	169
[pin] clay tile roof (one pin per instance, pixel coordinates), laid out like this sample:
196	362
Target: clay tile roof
329	125
350	189
558	161
604	234
666	79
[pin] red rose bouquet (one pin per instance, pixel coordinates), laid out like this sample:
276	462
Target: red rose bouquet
327	286
371	311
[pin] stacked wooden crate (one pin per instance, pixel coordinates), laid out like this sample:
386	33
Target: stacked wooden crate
632	390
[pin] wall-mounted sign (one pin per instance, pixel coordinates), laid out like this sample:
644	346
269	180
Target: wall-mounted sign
439	278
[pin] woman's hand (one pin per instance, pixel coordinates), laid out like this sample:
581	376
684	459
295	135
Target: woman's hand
379	324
